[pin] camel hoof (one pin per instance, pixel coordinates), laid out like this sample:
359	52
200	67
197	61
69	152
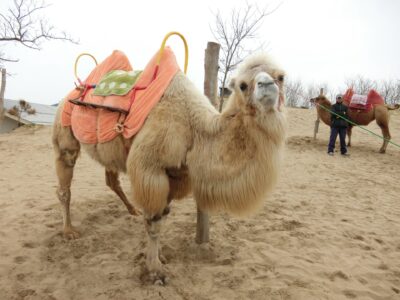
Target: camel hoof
159	279
133	211
71	234
382	151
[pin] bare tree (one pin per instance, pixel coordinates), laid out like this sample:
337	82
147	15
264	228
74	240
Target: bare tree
2	90
232	34
299	94
397	92
24	24
360	84
313	90
294	90
388	90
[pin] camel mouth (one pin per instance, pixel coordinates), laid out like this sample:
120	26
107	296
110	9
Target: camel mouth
266	91
269	101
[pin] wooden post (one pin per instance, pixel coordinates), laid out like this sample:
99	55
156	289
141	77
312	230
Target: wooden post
210	90
2	90
211	72
202	228
316	126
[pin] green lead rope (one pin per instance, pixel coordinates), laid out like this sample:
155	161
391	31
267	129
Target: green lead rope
363	128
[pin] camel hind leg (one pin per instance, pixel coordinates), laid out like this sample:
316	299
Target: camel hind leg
113	182
349	132
382	119
66	149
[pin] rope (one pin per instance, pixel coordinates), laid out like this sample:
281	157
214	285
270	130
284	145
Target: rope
363	128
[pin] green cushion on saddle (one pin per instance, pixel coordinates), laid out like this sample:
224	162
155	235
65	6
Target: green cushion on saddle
116	82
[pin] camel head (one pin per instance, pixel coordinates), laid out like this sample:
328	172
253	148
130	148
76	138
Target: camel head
320	99
257	87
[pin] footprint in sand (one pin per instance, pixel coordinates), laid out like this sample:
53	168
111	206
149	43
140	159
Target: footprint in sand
338	274
21	276
20	259
26	293
349	294
30	245
363	281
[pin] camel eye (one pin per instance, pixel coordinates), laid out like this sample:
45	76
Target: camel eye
243	86
281	78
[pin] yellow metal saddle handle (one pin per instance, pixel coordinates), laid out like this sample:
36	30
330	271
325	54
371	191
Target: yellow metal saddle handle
160	53
76	64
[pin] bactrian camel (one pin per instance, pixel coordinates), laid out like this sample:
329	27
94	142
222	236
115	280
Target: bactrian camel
380	113
229	160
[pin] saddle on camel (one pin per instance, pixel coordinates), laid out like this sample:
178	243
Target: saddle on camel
115	99
362	103
362	110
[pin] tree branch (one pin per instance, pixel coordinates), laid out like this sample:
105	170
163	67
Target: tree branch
23	24
232	35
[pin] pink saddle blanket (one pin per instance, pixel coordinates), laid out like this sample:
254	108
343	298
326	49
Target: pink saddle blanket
98	125
362	102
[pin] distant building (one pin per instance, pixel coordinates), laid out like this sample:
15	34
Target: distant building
44	115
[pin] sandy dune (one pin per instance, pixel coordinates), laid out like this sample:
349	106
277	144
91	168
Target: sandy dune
331	230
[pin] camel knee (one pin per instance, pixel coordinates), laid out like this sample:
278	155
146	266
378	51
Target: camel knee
153	222
63	194
68	157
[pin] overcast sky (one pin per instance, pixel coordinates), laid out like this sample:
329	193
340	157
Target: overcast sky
318	41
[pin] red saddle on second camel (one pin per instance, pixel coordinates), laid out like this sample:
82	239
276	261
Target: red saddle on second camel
362	102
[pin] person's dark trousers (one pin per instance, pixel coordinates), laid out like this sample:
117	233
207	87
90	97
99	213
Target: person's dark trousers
342	136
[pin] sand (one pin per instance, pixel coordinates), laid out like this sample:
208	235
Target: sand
331	230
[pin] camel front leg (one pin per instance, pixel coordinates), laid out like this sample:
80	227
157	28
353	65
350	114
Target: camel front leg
113	182
154	258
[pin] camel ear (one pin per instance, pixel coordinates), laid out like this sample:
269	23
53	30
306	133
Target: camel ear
232	83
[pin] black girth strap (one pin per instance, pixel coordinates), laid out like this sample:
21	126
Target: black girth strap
94	105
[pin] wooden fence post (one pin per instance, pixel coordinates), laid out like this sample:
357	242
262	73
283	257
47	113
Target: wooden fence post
2	90
210	90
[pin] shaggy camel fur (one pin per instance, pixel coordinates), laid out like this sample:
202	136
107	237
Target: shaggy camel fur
229	160
378	112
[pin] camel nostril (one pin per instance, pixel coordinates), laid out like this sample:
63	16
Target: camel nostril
263	84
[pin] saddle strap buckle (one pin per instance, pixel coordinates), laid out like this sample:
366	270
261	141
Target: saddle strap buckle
119	127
